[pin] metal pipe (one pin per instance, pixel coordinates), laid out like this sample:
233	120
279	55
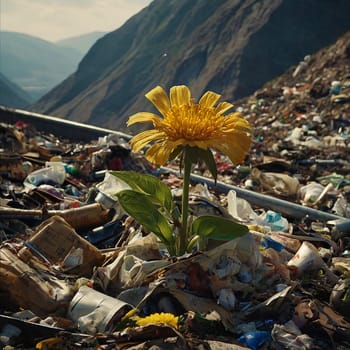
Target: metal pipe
59	126
275	204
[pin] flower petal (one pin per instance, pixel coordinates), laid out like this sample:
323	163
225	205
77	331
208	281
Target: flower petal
222	107
159	153
142	117
143	138
159	98
236	146
237	123
180	95
209	99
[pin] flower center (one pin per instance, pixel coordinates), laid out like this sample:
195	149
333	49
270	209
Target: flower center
191	122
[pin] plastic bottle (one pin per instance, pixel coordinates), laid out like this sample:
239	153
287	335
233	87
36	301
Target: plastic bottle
85	217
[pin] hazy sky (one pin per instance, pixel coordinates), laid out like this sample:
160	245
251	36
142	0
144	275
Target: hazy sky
59	19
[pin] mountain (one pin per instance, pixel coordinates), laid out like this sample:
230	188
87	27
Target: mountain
34	64
82	43
12	95
229	46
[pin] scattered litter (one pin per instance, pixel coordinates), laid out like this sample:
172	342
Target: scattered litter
77	272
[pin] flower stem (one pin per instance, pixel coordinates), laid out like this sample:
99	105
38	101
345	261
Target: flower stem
185	197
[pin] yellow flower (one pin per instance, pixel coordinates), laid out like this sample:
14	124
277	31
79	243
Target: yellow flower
185	123
161	319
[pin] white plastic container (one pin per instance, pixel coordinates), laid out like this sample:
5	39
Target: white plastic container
53	173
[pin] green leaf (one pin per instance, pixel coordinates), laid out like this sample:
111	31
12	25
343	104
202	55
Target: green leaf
192	242
148	184
219	228
140	207
206	155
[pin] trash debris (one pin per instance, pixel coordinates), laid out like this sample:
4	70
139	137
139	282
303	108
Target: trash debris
77	271
94	312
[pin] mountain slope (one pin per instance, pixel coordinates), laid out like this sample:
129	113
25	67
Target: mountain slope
231	47
34	64
12	95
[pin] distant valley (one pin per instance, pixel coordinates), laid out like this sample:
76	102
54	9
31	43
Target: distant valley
33	66
13	95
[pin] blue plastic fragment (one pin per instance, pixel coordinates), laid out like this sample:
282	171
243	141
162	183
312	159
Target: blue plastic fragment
268	242
255	339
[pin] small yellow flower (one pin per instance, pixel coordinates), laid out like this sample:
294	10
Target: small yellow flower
185	123
158	318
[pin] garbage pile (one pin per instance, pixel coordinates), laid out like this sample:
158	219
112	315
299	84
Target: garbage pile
303	115
77	272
